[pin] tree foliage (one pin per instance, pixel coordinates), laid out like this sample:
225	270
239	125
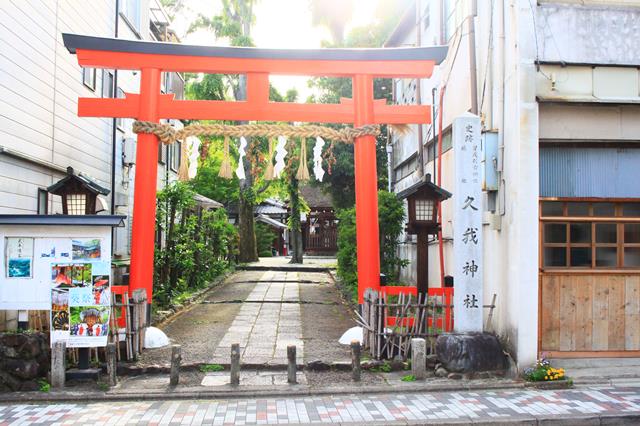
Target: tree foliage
198	244
264	239
340	183
391	220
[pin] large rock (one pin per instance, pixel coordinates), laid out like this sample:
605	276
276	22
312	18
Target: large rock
24	357
470	352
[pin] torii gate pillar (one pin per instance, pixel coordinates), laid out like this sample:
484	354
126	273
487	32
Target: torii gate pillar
145	186
366	177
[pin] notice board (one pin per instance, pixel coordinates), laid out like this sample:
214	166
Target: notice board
63	269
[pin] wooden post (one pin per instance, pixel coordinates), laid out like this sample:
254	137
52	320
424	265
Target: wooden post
291	364
176	358
58	368
112	364
235	364
422	263
356	369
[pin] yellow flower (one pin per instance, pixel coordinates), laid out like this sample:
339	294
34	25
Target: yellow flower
546	377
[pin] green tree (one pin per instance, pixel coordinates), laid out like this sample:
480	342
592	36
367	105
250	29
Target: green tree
391	220
234	24
340	183
198	244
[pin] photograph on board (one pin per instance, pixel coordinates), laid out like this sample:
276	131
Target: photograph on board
101	293
89	321
67	275
86	250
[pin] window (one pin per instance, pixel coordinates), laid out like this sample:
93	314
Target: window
592	235
130	10
43	201
89	78
162	153
107	84
76	204
120	120
174	155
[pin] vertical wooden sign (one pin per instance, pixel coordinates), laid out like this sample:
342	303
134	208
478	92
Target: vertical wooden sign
467	224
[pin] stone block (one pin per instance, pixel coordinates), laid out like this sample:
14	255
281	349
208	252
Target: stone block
21	368
418	358
470	352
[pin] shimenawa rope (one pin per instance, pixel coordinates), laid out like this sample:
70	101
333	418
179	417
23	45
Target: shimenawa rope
168	134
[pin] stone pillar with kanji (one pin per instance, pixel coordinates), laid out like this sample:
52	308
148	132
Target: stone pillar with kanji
467	224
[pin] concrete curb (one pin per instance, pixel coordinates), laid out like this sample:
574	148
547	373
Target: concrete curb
234	392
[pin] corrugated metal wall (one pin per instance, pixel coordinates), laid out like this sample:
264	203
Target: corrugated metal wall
589	172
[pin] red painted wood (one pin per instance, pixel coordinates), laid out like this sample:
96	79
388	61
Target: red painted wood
144	207
120	290
250	111
366	177
446	293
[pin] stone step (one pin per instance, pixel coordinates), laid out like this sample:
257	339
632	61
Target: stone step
594	362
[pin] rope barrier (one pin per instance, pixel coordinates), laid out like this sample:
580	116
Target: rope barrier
168	134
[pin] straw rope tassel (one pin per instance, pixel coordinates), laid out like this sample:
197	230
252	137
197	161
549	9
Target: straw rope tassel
225	167
268	174
183	171
303	170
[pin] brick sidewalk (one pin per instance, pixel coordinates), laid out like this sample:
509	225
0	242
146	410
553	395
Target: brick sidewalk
596	403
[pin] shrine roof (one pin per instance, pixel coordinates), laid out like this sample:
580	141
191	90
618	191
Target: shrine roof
62	220
74	41
424	184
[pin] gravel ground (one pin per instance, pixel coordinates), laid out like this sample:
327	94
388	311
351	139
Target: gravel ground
201	326
323	324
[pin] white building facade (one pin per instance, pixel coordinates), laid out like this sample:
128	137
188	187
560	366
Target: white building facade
40	83
556	86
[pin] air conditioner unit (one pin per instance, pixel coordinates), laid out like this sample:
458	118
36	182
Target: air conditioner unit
128	151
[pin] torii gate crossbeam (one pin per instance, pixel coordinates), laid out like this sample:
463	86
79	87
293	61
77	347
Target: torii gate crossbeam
153	58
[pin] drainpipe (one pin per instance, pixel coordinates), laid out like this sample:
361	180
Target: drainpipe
433	130
114	127
472	58
418	93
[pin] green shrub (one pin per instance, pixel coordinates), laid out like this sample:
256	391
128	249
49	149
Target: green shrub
391	222
198	244
264	239
210	368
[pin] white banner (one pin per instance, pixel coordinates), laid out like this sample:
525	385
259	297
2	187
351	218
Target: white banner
467	224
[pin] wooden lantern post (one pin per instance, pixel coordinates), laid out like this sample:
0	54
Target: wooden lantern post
423	199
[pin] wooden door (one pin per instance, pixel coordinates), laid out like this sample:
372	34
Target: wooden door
589	314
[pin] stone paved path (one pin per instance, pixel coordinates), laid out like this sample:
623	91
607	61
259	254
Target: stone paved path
268	321
490	407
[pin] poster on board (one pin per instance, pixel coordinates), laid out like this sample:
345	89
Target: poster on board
19	257
86	289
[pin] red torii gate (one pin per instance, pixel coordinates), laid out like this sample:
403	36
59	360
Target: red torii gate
153	58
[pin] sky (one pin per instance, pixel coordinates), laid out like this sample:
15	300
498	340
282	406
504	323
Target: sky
278	24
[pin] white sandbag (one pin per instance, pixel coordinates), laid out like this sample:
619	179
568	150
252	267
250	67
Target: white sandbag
155	338
354	333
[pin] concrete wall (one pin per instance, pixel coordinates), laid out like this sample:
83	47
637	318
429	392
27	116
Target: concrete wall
595	33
